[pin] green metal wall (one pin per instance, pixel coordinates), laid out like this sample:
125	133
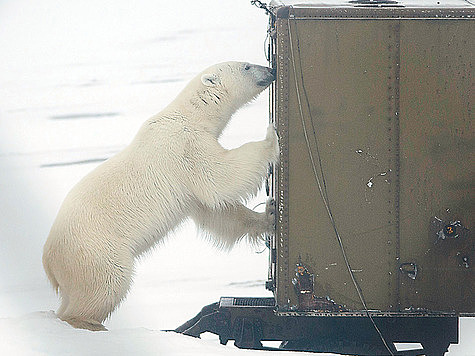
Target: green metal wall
390	102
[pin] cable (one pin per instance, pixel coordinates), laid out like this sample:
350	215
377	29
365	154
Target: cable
259	205
263	6
322	190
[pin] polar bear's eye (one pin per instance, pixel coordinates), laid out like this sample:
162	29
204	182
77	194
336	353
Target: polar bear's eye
247	67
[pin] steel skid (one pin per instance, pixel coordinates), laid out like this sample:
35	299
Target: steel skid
252	321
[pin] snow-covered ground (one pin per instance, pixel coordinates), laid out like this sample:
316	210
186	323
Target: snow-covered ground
77	79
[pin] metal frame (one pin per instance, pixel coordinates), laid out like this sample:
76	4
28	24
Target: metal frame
252	321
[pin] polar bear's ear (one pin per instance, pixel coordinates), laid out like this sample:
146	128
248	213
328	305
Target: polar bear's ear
210	80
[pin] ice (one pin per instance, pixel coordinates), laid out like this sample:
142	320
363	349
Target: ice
77	79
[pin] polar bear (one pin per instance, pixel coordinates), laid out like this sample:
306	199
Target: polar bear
172	170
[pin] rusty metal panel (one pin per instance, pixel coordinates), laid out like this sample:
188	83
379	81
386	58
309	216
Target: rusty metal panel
340	63
437	170
355	111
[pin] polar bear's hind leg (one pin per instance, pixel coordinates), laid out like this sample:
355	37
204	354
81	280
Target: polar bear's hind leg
89	310
97	292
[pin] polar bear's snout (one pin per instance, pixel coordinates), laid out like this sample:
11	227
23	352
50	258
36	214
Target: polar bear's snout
265	76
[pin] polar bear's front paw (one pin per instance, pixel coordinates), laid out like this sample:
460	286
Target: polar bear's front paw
270	215
273	141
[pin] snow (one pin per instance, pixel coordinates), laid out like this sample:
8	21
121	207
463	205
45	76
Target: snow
77	79
41	326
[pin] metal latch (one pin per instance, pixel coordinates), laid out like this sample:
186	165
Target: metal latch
450	231
444	230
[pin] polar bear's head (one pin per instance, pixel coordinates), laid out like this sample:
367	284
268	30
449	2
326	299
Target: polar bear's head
216	93
240	82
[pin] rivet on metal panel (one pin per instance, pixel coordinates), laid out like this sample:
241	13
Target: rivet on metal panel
463	260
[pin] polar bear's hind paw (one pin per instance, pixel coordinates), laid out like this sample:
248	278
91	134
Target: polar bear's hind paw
91	325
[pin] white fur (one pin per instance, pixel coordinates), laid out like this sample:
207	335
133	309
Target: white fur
173	169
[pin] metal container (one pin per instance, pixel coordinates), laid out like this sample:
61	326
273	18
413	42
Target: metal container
373	105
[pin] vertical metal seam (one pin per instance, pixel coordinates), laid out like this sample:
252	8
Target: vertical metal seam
397	148
282	129
393	113
271	274
394	147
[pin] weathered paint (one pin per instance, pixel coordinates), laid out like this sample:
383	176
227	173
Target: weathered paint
390	100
